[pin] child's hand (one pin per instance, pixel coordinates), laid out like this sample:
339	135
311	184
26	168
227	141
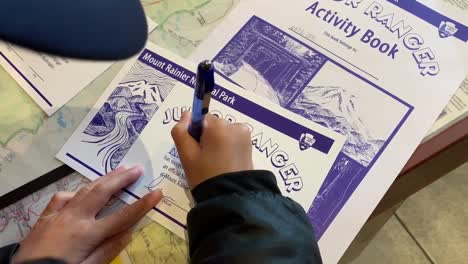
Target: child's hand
223	148
68	229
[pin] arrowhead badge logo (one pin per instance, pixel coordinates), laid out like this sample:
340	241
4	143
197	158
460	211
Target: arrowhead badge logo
447	29
306	141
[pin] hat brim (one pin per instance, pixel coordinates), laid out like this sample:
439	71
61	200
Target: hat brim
90	29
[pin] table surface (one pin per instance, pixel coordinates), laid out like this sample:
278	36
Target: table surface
432	160
449	137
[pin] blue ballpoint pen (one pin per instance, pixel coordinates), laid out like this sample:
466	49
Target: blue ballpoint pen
201	98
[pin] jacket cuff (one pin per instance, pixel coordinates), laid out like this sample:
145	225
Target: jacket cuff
236	182
45	261
7	252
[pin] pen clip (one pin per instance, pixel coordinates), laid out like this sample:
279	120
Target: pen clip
206	103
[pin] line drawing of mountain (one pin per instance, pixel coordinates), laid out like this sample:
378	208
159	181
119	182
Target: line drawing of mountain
123	117
151	80
336	108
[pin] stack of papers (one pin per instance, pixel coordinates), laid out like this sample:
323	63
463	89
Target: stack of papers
378	72
131	124
50	80
42	100
338	94
456	110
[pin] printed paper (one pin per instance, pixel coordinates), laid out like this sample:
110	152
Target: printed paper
456	110
378	72
134	118
51	80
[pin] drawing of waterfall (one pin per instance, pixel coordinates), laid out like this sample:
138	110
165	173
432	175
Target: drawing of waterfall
126	113
344	177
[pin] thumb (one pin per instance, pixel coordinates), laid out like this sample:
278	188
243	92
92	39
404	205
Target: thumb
110	249
187	147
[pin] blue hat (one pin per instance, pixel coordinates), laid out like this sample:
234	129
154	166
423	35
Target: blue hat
90	29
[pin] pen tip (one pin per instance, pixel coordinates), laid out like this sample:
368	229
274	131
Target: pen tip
206	65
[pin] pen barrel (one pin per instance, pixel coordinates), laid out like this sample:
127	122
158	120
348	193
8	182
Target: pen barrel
201	99
196	129
205	79
196	125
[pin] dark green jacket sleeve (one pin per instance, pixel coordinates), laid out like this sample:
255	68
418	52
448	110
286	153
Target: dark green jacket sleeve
6	256
243	218
7	252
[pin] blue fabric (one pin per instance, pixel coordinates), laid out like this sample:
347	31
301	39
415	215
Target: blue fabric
92	29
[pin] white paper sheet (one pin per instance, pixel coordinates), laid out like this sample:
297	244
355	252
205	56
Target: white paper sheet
128	121
456	110
50	80
379	72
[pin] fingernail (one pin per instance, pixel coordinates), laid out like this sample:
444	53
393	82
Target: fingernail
122	167
157	191
137	169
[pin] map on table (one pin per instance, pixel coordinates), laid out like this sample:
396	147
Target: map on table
183	24
150	244
17	219
29	140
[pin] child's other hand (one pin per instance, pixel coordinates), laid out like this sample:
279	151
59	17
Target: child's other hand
223	148
68	229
